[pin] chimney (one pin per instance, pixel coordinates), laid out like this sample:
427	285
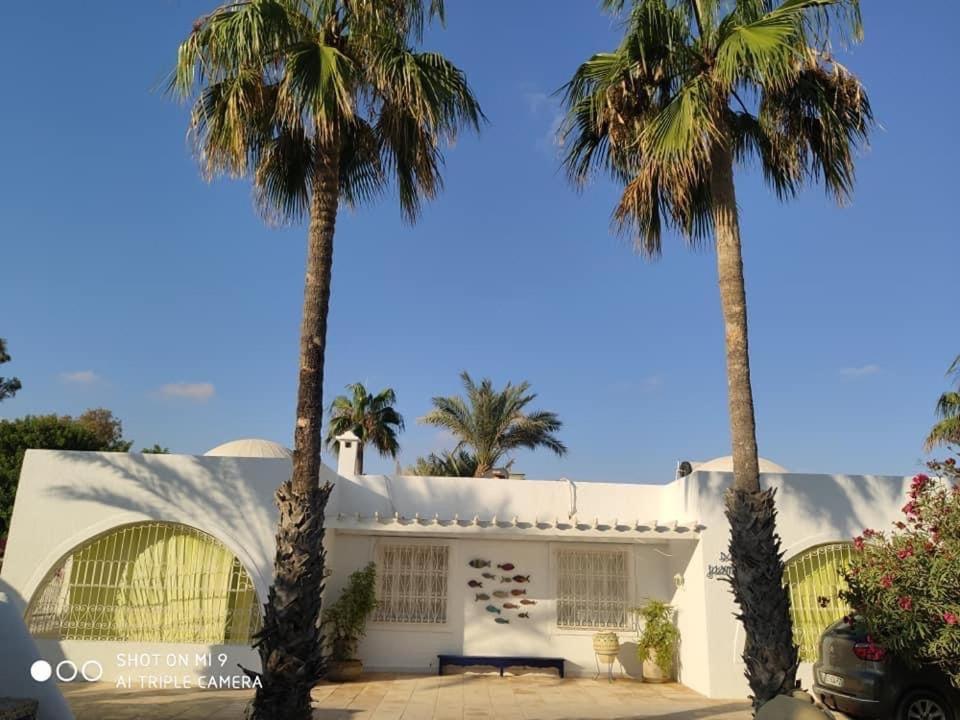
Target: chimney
347	454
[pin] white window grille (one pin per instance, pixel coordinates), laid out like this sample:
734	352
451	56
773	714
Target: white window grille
412	581
592	588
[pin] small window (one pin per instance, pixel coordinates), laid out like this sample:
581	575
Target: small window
592	589
412	580
815	579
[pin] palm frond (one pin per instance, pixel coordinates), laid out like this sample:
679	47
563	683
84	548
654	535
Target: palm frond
283	175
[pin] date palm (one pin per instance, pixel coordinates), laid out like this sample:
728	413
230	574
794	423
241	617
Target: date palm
491	423
695	89
947	430
372	418
461	463
320	103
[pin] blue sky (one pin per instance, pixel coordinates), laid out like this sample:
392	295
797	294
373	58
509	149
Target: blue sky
130	283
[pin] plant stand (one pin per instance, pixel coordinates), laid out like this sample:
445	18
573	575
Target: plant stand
613	659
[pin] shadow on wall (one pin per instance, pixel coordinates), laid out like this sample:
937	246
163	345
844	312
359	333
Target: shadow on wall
840	506
195	490
20	652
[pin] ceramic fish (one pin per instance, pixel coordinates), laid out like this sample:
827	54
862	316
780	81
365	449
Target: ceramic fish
478	563
505	579
515	593
475	583
488	576
493	609
521	578
526	601
501	593
524	615
501	620
482	596
507	567
510	606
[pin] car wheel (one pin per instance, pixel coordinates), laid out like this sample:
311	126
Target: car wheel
924	705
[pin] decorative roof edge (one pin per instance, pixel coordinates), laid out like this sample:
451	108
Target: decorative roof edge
571	526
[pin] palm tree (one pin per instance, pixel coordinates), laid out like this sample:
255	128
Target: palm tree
696	88
461	463
372	418
492	423
319	102
947	430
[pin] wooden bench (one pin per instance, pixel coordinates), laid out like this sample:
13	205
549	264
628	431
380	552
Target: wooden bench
500	662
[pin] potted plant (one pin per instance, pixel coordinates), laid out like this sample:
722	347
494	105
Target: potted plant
345	622
657	644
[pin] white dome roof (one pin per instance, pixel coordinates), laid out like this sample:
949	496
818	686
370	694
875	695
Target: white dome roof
725	464
251	447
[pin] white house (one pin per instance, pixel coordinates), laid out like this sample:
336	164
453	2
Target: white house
152	568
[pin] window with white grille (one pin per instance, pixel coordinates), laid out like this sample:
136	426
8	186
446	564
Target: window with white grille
592	588
412	582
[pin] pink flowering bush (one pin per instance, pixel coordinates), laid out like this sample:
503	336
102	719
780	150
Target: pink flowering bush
904	586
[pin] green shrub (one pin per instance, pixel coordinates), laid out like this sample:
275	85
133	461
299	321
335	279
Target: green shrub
346	619
904	586
659	635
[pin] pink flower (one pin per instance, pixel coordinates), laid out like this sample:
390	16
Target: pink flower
906	603
950	618
910	508
858	542
868	533
905	553
901	525
949	461
886	581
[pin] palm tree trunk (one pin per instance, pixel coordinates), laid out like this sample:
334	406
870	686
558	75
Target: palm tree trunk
769	653
291	643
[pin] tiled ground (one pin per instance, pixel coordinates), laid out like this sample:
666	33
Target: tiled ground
418	697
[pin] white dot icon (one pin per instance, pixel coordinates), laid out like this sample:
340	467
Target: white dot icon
41	671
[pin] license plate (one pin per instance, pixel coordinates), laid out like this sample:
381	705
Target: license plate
832	680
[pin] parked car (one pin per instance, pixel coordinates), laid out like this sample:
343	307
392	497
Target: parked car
863	680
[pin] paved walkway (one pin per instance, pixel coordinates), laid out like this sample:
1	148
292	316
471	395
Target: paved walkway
418	697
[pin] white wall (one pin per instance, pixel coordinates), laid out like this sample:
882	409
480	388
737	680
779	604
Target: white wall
470	629
812	509
66	498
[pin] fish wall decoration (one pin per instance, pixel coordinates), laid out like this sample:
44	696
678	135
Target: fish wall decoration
506	567
527	601
510	606
493	609
506	579
501	620
515	593
475	584
524	615
520	578
501	593
482	596
488	576
478	563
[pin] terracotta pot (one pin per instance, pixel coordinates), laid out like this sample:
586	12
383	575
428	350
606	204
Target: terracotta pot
606	646
344	670
652	672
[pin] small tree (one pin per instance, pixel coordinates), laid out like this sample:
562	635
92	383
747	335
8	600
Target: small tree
659	636
904	587
461	463
346	619
107	428
157	449
8	386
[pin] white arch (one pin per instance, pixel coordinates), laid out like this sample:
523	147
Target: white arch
115	522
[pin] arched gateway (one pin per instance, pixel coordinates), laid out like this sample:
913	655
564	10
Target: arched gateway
147	582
